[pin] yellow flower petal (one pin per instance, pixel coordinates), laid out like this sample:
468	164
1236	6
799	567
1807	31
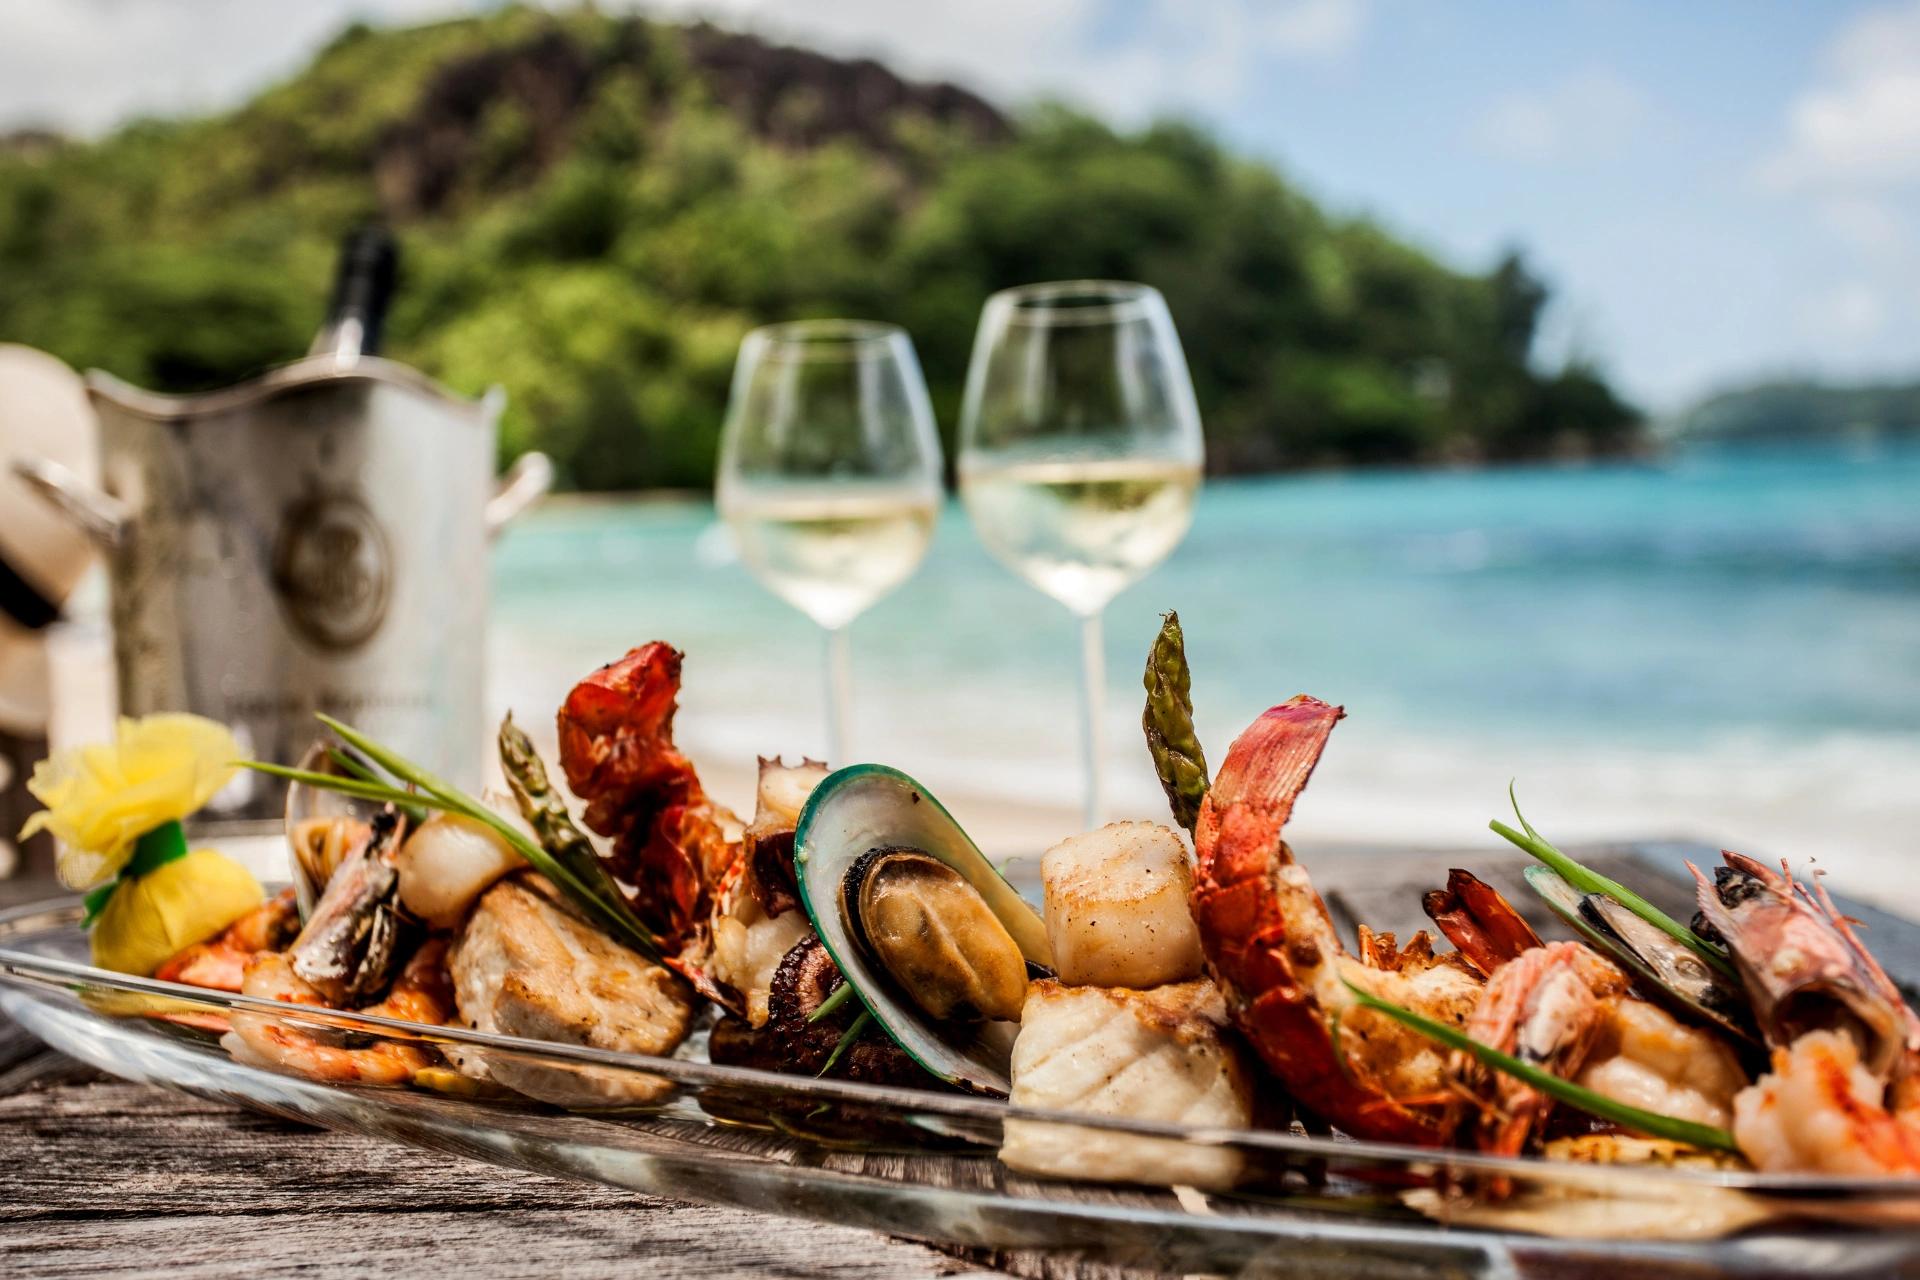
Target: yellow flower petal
101	798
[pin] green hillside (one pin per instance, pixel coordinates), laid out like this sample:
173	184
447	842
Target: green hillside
1802	412
593	211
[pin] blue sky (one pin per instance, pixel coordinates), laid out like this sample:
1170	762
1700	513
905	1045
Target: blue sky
1716	190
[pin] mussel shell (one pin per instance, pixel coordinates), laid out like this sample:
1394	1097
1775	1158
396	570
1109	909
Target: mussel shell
865	807
1662	966
934	934
316	817
351	945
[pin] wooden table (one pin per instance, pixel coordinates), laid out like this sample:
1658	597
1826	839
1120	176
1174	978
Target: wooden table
103	1178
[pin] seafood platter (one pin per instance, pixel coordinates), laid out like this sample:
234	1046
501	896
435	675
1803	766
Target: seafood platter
1164	1054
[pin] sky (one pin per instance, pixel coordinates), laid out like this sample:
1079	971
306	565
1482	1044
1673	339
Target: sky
1717	190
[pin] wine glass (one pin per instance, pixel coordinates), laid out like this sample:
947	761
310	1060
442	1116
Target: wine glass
830	476
1080	452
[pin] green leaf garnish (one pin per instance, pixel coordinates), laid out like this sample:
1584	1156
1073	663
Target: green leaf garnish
1587	880
847	1038
840	996
1647	1122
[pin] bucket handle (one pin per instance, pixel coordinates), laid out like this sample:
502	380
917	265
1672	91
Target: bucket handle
525	483
100	515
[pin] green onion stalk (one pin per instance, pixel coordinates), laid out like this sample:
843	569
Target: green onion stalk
1574	1095
1587	880
419	789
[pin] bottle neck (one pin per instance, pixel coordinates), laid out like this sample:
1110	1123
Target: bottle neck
362	287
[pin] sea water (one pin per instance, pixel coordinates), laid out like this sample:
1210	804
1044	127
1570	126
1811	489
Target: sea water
1721	645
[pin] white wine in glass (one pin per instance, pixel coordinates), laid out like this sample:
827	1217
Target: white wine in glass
830	476
1080	453
831	554
1082	531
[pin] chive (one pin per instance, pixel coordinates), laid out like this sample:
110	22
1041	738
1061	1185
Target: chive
832	1002
355	787
442	795
1587	880
358	768
851	1034
1648	1122
458	801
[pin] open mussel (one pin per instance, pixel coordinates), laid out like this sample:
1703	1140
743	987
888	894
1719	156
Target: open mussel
352	942
933	940
934	935
1664	967
323	827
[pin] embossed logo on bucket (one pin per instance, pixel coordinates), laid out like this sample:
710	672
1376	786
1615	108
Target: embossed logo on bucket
333	570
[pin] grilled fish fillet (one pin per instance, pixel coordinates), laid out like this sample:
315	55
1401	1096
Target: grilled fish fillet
526	966
1116	907
1155	1055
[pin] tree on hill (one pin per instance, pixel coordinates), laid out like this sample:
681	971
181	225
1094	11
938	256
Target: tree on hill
593	211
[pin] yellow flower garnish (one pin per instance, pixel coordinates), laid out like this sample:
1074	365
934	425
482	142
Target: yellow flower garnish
100	799
182	902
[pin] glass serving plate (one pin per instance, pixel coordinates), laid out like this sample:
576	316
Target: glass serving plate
924	1164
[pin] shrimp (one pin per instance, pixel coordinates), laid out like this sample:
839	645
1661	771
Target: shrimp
1844	1092
1546	1007
1647	1058
220	963
1567	1009
422	994
1478	919
1821	1110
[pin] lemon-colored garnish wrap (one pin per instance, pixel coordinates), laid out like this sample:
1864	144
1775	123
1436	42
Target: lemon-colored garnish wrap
116	810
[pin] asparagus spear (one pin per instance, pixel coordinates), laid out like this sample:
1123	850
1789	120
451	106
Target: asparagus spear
1168	721
547	814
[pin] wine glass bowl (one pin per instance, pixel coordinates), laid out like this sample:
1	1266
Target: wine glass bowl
1080	450
830	474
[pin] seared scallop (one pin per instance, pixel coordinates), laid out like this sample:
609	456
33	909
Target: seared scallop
1116	907
526	966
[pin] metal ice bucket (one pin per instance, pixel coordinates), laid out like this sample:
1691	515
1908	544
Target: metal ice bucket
313	540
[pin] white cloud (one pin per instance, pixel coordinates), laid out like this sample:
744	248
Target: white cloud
1852	311
1127	62
82	65
85	64
1860	125
1593	112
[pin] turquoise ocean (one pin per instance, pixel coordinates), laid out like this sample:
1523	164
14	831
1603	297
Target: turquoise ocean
1720	645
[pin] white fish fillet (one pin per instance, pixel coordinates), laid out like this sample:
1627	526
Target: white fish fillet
1153	1055
524	966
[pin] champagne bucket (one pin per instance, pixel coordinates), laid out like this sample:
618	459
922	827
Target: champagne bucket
313	540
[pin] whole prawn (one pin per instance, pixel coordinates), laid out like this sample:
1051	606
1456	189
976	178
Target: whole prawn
1843	1095
1272	946
422	993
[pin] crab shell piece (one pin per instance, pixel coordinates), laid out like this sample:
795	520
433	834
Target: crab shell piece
867	807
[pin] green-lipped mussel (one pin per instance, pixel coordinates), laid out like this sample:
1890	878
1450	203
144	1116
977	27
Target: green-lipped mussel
1666	969
933	940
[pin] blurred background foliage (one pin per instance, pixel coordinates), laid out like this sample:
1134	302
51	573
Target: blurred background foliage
593	210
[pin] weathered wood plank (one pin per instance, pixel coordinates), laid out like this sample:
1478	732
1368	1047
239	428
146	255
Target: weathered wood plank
107	1179
657	1241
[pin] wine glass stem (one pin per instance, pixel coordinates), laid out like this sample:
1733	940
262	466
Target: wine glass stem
839	698
1093	675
